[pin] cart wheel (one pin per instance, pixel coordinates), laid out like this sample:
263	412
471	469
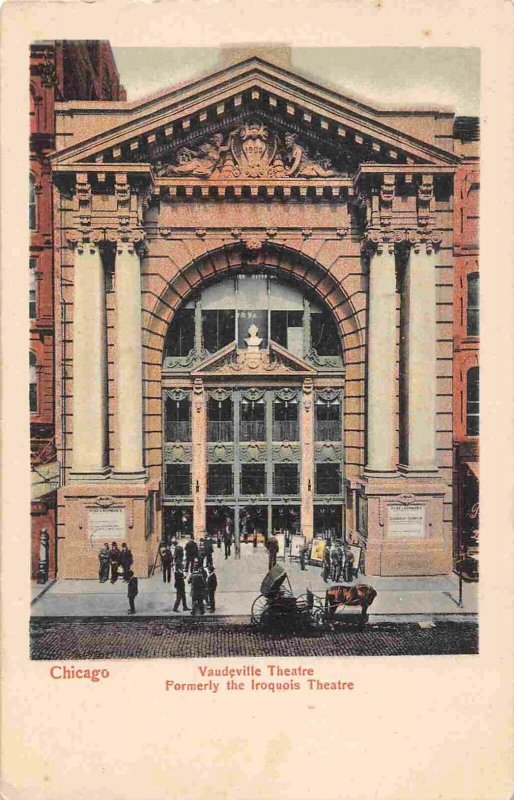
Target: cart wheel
258	606
318	619
304	600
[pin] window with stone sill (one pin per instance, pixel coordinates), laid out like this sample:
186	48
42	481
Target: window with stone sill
285	421
32	205
473	402
218	329
328	420
181	337
178	480
324	334
177	422
473	312
220	425
253	479
33	392
32	288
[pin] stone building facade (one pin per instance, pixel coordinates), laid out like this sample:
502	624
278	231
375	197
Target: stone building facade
256	276
58	71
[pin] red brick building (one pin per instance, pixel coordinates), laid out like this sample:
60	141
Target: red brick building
58	71
466	335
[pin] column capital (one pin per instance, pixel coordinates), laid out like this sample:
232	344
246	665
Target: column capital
81	239
126	240
390	241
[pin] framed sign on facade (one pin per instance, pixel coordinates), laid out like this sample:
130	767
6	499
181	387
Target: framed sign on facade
281	539
297	542
318	551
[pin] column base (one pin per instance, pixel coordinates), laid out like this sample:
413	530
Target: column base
403	530
419	471
386	474
130	477
90	476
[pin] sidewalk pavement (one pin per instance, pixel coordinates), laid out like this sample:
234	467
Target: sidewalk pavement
239	583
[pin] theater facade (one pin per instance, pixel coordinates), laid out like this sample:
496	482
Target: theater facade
253	301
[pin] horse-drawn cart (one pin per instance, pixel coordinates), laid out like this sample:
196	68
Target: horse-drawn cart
277	607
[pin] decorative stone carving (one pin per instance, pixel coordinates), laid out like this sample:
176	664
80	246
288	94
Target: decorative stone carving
253	394
219	453
307	393
177	453
252	452
312	357
386	199
286	453
177	394
425	197
329	453
251	151
287	394
193	358
220	394
198	395
329	395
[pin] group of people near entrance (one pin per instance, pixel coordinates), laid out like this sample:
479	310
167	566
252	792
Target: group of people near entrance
198	566
338	560
115	561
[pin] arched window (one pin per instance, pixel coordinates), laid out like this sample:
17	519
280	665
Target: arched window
32	204
472	401
32	288
472	316
33	383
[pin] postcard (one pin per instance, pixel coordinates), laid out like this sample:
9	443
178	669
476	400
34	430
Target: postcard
247	522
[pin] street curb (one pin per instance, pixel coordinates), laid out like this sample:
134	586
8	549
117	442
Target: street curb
377	619
43	591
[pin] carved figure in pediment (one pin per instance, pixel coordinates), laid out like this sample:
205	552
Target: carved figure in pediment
253	149
199	163
298	163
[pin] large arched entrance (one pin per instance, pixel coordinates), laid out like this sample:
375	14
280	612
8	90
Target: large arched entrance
266	452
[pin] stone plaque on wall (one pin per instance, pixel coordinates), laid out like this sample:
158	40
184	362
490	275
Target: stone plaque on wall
406	520
106	524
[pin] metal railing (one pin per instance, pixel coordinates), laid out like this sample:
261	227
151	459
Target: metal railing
286	431
220	431
177	431
328	430
254	431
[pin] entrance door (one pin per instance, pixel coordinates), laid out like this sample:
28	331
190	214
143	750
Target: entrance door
219	519
286	520
178	522
253	524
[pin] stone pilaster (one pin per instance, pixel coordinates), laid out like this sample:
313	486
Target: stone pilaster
199	467
129	405
307	465
381	401
420	358
89	362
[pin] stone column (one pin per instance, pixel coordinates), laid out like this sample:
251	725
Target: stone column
199	467
129	373
382	361
89	365
420	358
307	462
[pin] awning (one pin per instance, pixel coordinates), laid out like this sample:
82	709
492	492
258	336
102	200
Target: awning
45	479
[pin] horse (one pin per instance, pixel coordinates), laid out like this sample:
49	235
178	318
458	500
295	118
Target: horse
360	595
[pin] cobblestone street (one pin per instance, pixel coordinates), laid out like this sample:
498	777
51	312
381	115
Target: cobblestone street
58	639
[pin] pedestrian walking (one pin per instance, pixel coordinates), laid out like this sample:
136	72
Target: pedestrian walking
209	551
336	562
212	585
180	586
132	591
126	561
166	563
191	551
197	582
178	554
348	565
227	541
115	562
104	557
304	550
201	552
272	548
326	562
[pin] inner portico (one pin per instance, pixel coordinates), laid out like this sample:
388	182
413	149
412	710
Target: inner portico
254	330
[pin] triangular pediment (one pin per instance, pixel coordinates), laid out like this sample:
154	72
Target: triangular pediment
272	362
252	120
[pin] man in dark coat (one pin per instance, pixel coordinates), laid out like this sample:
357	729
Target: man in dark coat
304	551
115	562
272	548
166	562
212	585
348	564
180	586
178	554
126	561
197	592
104	557
227	541
132	591
208	550
326	562
191	550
